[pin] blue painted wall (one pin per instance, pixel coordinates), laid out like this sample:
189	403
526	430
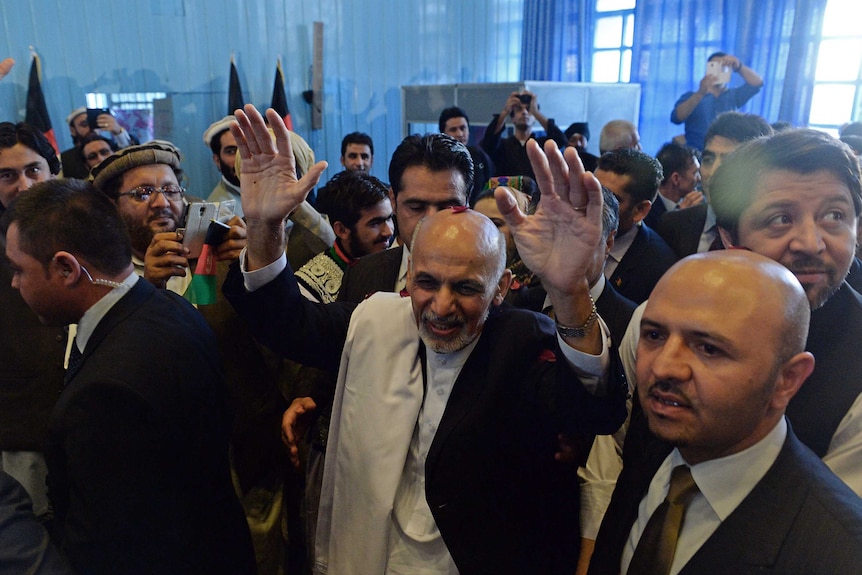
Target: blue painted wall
183	48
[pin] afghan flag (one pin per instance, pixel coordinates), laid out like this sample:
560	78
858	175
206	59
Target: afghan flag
279	98
37	111
234	96
203	288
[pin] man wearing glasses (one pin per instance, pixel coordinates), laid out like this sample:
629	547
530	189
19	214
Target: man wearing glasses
144	182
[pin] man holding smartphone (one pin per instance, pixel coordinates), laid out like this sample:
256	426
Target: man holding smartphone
144	182
698	109
510	154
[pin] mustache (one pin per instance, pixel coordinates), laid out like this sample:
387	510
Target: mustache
667	386
451	320
808	264
164	213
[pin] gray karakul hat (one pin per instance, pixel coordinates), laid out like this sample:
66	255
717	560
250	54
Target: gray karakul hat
154	152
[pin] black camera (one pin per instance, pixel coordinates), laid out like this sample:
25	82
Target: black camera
526	99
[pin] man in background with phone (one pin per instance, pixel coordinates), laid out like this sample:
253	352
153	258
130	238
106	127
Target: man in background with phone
510	154
144	182
83	122
713	97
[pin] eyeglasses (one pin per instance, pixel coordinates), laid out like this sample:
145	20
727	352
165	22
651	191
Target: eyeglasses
146	194
99	154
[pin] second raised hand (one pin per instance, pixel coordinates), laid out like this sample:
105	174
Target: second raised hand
270	188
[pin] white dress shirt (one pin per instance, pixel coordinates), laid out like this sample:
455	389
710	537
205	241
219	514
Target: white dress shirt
723	484
710	231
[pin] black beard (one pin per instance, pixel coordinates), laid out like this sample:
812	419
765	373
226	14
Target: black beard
228	173
141	235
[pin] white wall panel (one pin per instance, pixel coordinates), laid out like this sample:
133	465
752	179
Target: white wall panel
183	48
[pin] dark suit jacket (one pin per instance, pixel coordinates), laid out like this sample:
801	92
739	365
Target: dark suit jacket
799	519
681	229
138	447
822	402
657	210
643	265
501	501
73	164
371	274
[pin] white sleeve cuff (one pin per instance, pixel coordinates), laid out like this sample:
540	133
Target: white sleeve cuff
256	279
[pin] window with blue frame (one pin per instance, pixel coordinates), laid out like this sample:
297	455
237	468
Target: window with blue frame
612	39
837	95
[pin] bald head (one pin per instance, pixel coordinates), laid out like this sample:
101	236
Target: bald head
747	281
619	135
457	272
458	228
720	353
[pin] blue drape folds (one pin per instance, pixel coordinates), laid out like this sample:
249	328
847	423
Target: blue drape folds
553	41
672	40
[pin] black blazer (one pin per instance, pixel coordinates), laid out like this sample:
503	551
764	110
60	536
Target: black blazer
501	501
657	210
371	274
681	229
643	265
138	447
799	519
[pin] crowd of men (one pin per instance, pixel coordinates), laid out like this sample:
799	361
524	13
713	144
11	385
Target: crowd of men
613	364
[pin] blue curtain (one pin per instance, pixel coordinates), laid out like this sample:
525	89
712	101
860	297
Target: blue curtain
553	41
672	40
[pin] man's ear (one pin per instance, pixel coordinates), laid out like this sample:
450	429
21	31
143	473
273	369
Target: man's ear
66	266
342	231
641	210
217	161
674	180
791	375
609	243
726	237
503	285
392	199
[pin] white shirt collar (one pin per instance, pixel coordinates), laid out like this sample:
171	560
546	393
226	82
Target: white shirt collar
97	311
710	218
725	482
623	243
669	204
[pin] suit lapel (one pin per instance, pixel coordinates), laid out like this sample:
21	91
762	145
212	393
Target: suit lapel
118	313
631	258
695	223
469	385
764	516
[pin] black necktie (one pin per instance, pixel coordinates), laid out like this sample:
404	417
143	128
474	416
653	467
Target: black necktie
657	545
75	356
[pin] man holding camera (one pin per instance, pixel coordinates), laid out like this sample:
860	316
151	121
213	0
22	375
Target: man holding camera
510	154
698	109
83	122
144	182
